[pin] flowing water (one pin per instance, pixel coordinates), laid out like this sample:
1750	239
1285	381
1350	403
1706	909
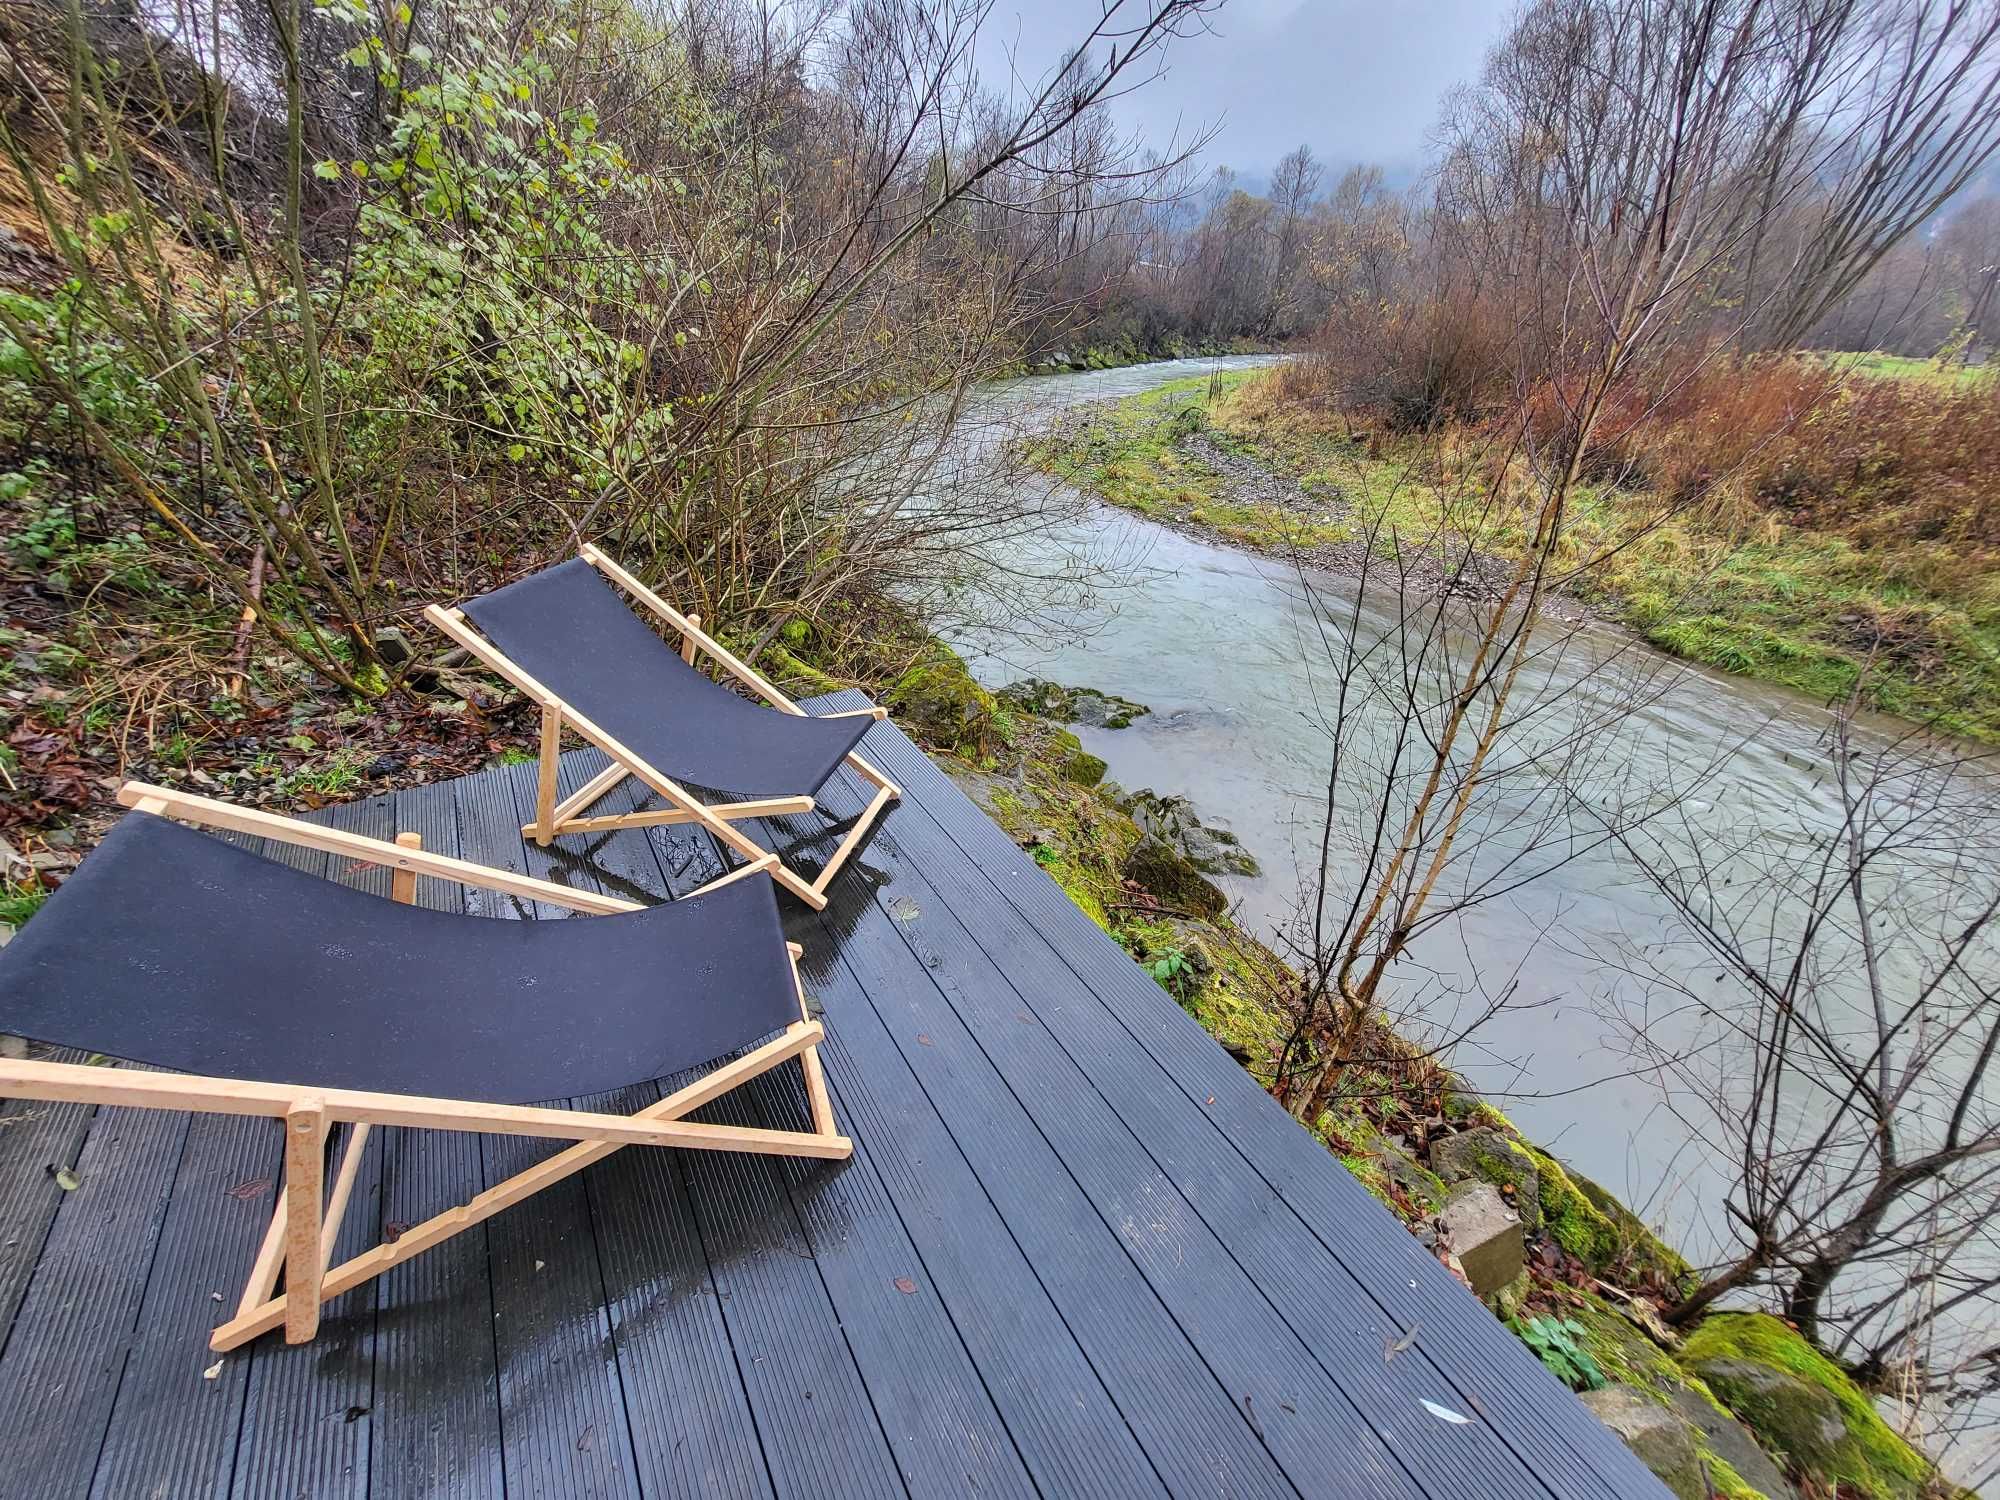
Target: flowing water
1222	646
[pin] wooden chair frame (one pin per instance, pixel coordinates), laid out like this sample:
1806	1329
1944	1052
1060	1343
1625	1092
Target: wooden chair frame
554	818
303	1229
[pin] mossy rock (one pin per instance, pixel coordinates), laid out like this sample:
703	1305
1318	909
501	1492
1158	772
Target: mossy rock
1571	1219
1396	1179
1804	1407
1662	1441
1084	769
1639	1247
1072	762
1463	1108
1212	851
1736	1466
1071	705
1159	868
1491	1156
1573	1211
939	701
1625	1354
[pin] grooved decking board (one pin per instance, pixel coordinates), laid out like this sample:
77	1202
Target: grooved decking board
1002	993
173	1429
1074	1237
306	1420
942	1427
37	1139
562	1405
60	1372
1184	1417
693	1432
1065	1422
820	1430
1568	1451
434	1426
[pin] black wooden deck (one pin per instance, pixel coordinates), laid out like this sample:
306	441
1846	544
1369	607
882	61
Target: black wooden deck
1077	1251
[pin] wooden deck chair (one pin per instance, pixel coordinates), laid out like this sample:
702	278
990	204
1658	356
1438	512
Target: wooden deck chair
565	638
273	992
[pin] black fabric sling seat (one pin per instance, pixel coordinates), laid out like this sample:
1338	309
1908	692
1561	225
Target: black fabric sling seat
575	634
173	948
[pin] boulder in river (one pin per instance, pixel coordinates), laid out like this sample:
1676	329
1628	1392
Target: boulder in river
1213	851
1071	705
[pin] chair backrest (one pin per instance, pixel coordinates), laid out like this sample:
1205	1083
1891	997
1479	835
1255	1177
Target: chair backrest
572	631
173	948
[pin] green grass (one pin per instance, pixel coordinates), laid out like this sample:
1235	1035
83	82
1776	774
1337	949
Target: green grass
1803	609
1132	454
1903	367
18	902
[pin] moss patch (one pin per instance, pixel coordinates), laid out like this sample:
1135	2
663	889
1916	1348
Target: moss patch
1840	1439
938	699
1571	1219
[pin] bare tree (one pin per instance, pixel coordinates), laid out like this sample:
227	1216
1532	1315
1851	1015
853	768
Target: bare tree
421	336
1848	970
1875	116
1594	165
1293	187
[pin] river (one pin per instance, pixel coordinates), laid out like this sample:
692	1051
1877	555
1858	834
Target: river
1221	645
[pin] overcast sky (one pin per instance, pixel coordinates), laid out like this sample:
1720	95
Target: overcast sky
1357	80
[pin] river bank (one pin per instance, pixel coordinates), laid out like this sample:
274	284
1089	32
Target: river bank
1911	622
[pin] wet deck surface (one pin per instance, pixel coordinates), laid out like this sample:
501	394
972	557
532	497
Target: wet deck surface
1077	1252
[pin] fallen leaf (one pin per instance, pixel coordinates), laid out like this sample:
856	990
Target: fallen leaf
539	1264
1393	1347
583	1438
1446	1414
356	1413
255	1187
392	1231
67	1180
212	1371
906	1286
924	1038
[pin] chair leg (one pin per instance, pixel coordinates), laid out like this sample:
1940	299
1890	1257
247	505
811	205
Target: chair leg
305	1176
662	817
270	1260
589	794
309	1287
886	791
817	1098
343	1189
545	785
